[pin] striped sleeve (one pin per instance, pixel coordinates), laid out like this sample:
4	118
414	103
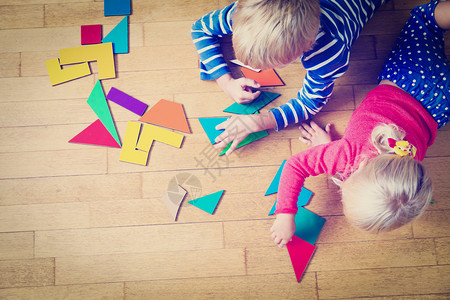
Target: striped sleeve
324	65
206	33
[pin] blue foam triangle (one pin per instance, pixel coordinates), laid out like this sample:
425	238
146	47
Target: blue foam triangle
273	187
209	202
302	200
209	126
118	36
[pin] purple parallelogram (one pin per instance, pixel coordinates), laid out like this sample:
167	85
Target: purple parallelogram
126	101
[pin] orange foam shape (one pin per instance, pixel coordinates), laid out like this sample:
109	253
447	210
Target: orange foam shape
167	114
264	77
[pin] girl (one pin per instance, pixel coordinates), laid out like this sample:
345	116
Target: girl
383	185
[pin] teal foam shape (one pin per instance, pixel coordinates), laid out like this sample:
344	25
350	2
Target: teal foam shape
308	225
247	109
209	202
209	126
97	101
273	187
303	199
117	7
118	36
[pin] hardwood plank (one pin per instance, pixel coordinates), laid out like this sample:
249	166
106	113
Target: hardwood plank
440	146
248	234
20	40
168	33
69	292
407	4
24	2
367	283
17	245
443	250
280	286
363	48
101	241
432	224
24	89
149	266
21	16
204	105
44	216
386	21
27	272
9	65
53	163
438	168
362	72
88	188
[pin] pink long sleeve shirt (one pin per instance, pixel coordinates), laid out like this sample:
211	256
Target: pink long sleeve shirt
385	104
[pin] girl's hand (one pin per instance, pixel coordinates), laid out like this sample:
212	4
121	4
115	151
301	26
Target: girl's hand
313	135
283	229
240	90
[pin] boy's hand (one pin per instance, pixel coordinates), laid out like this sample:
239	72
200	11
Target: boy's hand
313	135
238	127
283	229
240	90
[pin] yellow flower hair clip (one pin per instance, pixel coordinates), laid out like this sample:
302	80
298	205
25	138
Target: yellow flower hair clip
402	148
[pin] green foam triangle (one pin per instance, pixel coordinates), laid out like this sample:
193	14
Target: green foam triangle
118	36
250	138
209	202
97	101
247	109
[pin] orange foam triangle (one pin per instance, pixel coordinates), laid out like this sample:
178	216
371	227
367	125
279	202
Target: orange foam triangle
167	114
95	134
264	77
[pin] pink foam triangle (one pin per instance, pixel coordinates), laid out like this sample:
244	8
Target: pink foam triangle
95	134
300	252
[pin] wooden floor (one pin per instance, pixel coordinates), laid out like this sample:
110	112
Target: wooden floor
76	223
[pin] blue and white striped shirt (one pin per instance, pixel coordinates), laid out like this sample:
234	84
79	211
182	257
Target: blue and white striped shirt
341	23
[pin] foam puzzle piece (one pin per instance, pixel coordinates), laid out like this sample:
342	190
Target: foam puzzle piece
117	7
58	75
264	78
151	132
95	134
173	200
118	36
126	101
209	202
129	152
300	253
102	53
167	114
91	34
246	109
273	187
97	102
249	139
209	126
302	200
308	225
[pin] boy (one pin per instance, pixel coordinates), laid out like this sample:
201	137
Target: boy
271	34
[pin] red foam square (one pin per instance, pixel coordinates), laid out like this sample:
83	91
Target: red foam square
91	34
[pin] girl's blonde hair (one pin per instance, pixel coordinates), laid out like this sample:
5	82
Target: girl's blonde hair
389	191
269	33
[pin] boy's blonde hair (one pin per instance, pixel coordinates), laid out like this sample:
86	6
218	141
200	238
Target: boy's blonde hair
389	191
269	33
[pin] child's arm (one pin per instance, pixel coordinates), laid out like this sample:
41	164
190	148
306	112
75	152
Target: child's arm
206	34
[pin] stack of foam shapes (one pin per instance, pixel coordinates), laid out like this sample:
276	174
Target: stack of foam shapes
302	200
250	138
300	253
95	134
58	75
264	78
117	7
173	200
136	147
167	114
97	102
246	109
126	101
91	34
118	36
209	202
209	126
308	225
102	53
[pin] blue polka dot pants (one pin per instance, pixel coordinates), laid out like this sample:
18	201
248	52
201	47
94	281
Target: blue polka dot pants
418	64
